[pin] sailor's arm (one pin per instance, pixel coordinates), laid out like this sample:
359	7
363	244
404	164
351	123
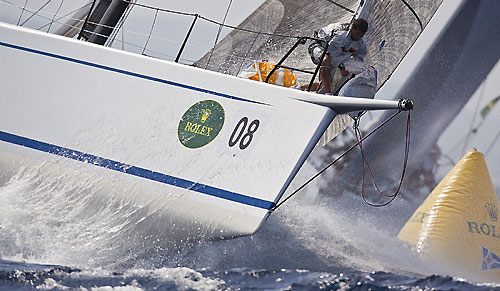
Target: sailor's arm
335	51
363	51
337	55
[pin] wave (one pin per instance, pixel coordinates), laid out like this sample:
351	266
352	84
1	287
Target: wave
49	215
21	276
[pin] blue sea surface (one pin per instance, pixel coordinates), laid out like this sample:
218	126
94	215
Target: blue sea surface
22	276
65	232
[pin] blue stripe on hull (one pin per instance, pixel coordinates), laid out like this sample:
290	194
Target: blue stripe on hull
124	72
134	171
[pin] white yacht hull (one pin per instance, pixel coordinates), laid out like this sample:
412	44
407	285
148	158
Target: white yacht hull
94	109
207	151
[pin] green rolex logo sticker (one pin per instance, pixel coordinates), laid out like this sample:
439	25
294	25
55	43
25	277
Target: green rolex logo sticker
201	123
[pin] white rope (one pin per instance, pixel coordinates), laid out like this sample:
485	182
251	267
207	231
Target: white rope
35	13
51	16
57	12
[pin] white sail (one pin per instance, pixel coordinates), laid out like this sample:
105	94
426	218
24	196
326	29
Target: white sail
73	25
393	27
441	85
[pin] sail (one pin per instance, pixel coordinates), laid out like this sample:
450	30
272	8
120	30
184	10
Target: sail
73	25
271	30
441	85
395	26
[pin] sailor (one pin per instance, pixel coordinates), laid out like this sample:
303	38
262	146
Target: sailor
346	51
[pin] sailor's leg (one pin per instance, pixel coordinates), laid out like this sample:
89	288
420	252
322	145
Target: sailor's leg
325	74
314	87
337	80
355	67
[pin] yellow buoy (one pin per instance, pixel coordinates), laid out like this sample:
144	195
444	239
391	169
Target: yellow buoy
283	77
457	226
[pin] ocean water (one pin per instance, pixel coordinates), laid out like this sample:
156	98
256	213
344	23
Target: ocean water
61	232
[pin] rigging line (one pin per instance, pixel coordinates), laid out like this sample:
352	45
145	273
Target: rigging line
247	30
118	27
73	26
208	19
492	143
449	159
22	11
483	117
136	33
334	161
341	6
469	132
50	25
218	33
406	53
169	56
152	27
157	8
356	13
123	39
64	16
32	15
248	52
86	22
414	13
50	14
141	47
